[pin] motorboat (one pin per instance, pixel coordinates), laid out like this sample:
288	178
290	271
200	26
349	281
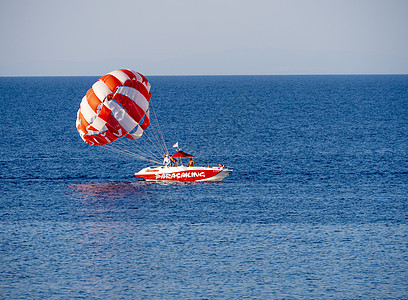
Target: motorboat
183	173
175	170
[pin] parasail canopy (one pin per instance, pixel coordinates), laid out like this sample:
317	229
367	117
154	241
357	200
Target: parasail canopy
182	154
116	106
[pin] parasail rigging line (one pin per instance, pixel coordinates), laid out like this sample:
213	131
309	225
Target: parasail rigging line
118	149
160	134
153	143
145	149
131	148
142	148
156	141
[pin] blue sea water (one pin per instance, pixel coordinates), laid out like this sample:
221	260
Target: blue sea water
316	208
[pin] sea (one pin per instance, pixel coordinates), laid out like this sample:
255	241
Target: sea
316	207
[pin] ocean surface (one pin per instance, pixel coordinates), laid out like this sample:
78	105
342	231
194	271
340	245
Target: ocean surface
316	208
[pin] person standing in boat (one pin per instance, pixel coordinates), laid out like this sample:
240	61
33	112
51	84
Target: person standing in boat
166	160
191	162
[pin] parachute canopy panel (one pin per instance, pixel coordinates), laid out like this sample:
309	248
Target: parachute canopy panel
116	106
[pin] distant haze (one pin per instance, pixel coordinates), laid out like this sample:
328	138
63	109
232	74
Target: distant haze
187	37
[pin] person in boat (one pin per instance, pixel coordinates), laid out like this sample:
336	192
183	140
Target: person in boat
173	162
191	162
166	160
221	166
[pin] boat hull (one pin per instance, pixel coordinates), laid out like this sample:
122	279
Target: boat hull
185	174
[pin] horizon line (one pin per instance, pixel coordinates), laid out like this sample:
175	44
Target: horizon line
191	75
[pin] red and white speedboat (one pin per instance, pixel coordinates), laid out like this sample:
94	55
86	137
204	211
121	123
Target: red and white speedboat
179	172
183	173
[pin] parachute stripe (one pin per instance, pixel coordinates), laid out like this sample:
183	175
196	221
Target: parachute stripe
131	107
101	139
143	80
77	120
91	117
101	90
104	113
140	82
138	133
111	81
114	127
87	111
145	123
131	74
99	124
122	116
108	136
134	95
93	101
142	101
120	75
143	90
82	123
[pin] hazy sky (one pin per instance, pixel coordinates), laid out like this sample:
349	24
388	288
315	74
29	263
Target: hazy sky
177	37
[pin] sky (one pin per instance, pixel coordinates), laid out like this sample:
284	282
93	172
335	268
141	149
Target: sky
189	37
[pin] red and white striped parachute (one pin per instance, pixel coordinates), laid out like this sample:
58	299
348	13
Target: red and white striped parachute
116	106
